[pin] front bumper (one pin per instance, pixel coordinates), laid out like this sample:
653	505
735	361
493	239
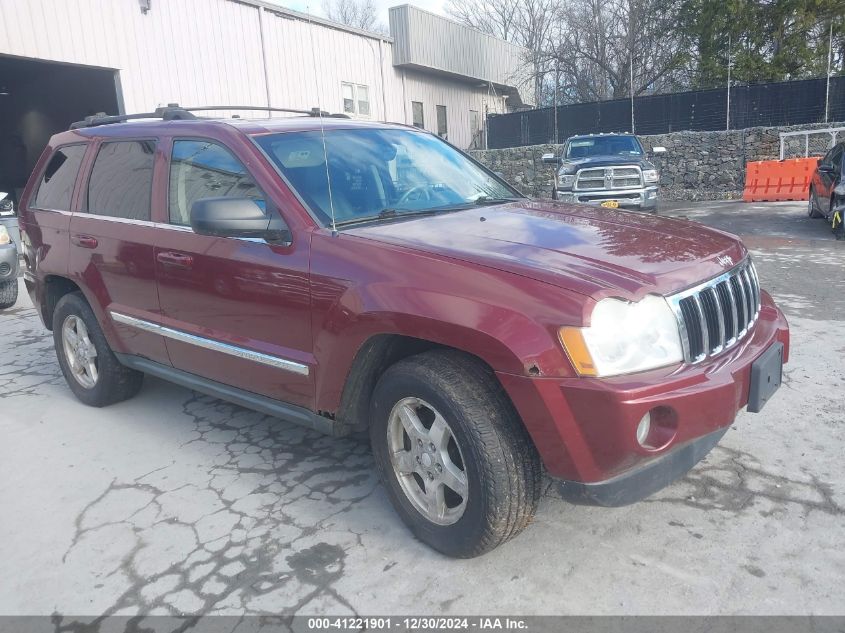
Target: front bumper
8	262
585	428
645	198
645	480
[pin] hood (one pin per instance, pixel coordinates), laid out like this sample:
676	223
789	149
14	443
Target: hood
570	166
590	250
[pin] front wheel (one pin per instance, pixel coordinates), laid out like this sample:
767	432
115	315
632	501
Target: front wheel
458	466
8	293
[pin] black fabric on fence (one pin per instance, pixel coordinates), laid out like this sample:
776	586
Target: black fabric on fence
772	104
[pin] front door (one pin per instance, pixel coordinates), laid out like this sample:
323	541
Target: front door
238	309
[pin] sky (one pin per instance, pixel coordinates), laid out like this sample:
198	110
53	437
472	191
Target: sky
315	6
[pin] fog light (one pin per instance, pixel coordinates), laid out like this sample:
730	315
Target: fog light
644	428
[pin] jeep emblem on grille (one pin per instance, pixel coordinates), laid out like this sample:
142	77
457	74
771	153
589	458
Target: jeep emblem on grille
725	260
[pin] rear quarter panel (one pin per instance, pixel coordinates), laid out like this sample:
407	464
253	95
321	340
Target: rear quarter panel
44	233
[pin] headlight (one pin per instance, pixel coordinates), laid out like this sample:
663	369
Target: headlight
651	175
624	337
565	181
4	236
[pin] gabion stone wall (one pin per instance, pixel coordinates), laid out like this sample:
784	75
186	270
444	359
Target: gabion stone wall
697	166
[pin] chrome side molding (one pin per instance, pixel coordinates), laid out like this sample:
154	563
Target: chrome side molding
207	343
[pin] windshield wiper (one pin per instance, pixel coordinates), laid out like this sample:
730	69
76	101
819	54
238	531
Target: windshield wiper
390	213
387	214
487	200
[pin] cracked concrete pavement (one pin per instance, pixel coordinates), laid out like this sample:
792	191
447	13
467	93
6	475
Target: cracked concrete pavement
176	503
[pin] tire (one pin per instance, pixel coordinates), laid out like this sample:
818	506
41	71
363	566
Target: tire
8	293
812	208
501	468
112	382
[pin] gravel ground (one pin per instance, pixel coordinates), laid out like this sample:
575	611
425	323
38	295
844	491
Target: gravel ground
174	502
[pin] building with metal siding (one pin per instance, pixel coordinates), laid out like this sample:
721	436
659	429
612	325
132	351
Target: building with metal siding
134	55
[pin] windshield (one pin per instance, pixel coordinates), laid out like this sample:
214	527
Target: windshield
380	172
603	146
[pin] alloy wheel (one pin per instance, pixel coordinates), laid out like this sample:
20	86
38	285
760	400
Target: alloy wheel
427	461
80	352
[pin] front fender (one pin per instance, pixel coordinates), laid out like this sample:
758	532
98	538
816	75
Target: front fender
363	289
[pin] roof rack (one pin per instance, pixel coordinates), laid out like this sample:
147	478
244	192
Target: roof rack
175	112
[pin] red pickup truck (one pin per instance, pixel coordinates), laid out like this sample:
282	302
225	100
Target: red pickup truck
356	276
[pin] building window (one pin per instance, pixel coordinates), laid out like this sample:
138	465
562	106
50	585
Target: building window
363	101
348	98
442	126
356	99
417	114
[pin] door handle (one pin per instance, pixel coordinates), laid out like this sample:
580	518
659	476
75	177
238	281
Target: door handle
175	260
85	241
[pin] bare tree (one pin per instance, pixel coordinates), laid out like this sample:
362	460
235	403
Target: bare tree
361	14
496	17
584	48
600	40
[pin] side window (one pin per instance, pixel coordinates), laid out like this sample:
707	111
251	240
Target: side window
417	114
205	169
836	157
56	187
121	180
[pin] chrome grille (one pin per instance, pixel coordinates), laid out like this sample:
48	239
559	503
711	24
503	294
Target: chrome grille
716	315
602	178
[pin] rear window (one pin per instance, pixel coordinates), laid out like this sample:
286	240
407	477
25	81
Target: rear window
56	187
121	180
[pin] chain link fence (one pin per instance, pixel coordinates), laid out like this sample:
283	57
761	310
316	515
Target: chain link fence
806	143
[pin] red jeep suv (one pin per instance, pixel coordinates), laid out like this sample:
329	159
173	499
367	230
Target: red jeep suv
356	276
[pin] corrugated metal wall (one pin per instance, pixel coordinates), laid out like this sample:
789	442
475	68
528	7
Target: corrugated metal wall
430	40
212	52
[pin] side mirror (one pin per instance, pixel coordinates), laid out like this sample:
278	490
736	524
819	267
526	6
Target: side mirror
237	217
826	168
658	150
550	159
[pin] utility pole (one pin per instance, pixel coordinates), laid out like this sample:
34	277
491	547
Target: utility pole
633	129
557	87
728	107
827	88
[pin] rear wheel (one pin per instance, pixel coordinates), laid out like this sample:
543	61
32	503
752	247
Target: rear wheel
458	465
812	209
8	293
90	368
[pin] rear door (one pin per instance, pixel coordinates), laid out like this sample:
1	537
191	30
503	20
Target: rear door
112	238
239	309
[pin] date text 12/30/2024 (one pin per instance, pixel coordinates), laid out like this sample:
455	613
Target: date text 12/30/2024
417	624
